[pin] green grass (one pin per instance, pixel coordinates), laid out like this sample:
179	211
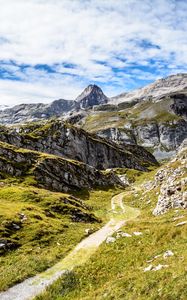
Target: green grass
116	270
100	201
50	230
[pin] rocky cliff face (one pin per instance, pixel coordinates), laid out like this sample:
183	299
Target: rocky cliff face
161	138
51	172
65	140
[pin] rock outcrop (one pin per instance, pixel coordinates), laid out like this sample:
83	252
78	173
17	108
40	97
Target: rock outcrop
52	172
172	180
162	139
179	105
67	141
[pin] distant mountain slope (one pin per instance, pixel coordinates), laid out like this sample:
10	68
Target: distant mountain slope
154	116
159	125
22	113
161	87
36	111
92	97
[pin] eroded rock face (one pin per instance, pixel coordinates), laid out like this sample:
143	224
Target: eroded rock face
173	181
52	172
118	135
67	141
162	138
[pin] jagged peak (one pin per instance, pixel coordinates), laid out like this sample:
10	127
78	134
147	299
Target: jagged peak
92	95
91	88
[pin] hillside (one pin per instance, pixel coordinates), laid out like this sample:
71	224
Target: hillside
63	139
86	211
52	192
146	258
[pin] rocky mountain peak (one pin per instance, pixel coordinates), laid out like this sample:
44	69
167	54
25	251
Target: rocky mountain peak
92	95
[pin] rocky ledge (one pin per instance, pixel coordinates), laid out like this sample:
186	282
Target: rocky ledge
63	139
50	171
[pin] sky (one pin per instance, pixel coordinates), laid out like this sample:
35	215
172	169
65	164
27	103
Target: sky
51	49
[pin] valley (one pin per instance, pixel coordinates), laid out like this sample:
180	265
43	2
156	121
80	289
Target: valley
93	199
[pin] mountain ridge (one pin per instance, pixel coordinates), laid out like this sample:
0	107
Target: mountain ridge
92	96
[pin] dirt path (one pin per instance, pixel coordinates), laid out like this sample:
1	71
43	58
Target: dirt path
29	288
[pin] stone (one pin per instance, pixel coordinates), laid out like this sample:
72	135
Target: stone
178	218
181	223
110	239
159	267
149	268
15	226
123	234
88	231
168	253
137	233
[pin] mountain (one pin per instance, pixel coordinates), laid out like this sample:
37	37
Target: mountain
36	111
160	88
154	117
160	126
91	96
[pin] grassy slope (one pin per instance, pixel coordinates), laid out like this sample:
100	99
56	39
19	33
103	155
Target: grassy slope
116	271
47	234
143	113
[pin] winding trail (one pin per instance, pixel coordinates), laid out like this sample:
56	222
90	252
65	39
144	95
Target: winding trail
29	288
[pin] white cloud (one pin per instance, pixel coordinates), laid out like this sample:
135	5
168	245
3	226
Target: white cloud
84	33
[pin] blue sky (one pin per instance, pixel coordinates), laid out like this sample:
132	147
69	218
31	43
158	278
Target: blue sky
51	49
